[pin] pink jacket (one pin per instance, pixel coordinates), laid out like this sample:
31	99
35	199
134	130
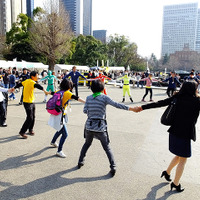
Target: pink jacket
148	81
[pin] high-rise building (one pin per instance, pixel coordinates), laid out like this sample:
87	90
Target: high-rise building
180	26
80	13
9	10
73	8
29	7
87	17
100	35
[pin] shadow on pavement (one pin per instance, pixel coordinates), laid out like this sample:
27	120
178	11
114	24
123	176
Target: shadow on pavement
18	161
152	194
8	139
46	184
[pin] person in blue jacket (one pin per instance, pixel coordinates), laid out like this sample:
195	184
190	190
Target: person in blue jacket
173	81
74	74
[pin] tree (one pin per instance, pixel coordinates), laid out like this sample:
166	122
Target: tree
18	42
165	59
116	48
51	33
86	50
2	46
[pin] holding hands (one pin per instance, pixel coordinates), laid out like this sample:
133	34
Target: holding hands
136	109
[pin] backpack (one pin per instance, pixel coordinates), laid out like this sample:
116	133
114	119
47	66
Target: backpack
54	104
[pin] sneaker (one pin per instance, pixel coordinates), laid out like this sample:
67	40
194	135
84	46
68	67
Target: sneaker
143	100
44	101
4	125
61	154
112	172
151	100
20	103
54	144
23	135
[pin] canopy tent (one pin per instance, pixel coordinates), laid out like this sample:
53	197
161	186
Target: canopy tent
19	65
61	67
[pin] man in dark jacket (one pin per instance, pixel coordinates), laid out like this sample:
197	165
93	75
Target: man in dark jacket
74	74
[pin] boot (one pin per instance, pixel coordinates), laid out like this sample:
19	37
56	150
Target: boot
123	99
131	99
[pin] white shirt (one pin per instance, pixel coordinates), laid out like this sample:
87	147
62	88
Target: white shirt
1	95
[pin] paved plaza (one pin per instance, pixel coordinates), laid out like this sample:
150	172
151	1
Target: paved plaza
30	170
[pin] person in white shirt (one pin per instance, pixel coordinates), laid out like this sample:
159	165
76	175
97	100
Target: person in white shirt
3	106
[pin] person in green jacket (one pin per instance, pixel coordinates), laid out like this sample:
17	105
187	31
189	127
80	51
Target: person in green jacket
50	87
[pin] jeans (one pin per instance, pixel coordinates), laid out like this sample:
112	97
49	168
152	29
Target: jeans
30	117
6	85
103	137
170	91
64	133
12	94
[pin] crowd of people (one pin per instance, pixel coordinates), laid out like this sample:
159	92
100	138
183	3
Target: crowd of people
181	132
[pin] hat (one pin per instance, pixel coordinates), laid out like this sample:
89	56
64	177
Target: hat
24	69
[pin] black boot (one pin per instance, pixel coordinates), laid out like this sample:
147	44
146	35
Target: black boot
131	99
123	99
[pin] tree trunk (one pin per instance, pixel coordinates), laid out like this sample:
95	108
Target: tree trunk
51	65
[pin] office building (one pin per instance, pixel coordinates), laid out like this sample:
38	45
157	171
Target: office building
80	13
73	8
87	17
9	10
29	7
181	25
100	35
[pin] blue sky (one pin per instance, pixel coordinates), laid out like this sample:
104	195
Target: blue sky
139	20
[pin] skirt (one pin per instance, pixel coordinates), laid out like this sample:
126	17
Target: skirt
179	146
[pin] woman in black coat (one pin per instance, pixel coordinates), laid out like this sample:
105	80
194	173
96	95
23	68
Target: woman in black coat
182	130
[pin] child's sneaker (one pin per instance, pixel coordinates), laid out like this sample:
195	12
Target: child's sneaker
54	145
61	154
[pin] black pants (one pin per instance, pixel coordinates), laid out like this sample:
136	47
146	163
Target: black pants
147	91
30	118
21	99
3	112
170	91
103	137
76	88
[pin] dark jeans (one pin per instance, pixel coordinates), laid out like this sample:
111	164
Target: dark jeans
3	112
147	91
30	118
103	137
76	88
170	91
64	133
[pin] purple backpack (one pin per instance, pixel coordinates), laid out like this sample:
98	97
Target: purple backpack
54	104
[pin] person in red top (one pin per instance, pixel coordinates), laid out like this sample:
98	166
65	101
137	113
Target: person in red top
102	78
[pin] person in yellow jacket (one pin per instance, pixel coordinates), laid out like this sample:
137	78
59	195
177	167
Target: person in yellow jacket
28	101
126	86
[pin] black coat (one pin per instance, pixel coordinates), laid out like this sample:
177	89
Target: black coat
186	115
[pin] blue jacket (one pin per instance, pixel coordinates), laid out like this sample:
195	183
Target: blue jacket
172	82
74	76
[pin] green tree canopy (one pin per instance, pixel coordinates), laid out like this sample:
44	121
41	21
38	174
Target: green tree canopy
18	42
87	51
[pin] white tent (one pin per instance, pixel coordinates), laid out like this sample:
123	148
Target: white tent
19	65
61	67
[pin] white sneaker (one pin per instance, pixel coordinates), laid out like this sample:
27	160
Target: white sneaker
54	145
61	154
